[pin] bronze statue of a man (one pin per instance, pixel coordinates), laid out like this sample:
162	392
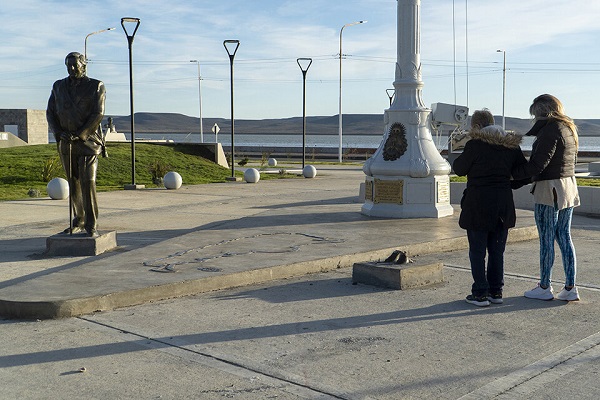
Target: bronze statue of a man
75	111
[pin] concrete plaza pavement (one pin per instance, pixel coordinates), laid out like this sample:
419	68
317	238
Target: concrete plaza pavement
274	331
213	236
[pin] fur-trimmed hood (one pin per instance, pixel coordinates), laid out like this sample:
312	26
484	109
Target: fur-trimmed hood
495	135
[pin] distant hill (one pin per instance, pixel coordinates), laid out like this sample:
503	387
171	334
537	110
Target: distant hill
357	124
354	124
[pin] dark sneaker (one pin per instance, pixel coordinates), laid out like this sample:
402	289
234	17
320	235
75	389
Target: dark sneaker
481	301
495	298
393	257
402	258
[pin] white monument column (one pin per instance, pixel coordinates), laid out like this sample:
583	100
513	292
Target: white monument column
407	177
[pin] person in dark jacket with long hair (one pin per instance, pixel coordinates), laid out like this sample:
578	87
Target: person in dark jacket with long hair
487	206
552	167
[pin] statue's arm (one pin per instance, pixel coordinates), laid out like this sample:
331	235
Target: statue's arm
89	130
52	118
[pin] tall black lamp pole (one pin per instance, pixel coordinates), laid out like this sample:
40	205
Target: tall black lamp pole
231	50
304	64
130	43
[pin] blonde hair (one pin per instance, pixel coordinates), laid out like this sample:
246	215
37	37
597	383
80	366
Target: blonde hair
546	106
481	119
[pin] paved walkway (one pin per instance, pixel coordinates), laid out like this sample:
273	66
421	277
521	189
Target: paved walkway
313	336
202	238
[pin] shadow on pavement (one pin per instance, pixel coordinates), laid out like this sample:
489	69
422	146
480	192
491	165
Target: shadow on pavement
453	309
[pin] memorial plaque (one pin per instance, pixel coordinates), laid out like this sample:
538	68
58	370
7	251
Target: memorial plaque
368	190
443	192
388	191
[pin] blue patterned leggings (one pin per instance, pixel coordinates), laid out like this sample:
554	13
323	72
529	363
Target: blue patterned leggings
553	224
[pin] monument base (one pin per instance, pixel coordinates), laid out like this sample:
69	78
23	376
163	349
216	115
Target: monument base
63	244
394	276
134	187
407	197
114	136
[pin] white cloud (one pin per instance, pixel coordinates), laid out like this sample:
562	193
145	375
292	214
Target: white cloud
37	34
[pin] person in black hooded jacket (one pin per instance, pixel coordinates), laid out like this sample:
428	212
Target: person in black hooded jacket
487	206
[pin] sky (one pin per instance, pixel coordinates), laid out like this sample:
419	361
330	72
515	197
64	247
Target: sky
550	47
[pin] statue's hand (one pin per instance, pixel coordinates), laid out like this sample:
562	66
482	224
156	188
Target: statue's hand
67	137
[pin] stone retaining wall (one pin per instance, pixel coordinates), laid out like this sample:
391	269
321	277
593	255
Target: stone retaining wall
589	195
31	124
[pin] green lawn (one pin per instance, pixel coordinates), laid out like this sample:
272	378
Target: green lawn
29	168
23	168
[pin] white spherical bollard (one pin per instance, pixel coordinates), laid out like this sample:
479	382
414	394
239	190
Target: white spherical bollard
251	175
309	171
272	162
58	189
172	180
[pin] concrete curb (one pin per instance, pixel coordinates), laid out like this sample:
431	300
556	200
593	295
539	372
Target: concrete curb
87	305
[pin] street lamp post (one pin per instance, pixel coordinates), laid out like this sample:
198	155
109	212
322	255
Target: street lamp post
130	44
340	102
90	34
302	63
200	99
503	86
231	52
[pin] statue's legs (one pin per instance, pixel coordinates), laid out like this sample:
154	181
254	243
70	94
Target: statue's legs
72	173
87	169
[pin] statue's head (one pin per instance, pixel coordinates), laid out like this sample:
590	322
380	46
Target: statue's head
76	65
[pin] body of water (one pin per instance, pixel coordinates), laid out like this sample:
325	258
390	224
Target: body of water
586	143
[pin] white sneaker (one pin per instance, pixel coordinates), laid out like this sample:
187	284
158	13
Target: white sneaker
540	293
568	295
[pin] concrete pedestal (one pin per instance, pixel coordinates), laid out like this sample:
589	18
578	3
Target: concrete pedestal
114	136
406	197
406	176
134	187
395	276
594	168
79	244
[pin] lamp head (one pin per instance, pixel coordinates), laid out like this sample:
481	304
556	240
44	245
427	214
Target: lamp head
304	63
231	42
130	20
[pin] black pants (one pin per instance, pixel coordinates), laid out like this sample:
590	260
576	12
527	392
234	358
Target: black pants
494	242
